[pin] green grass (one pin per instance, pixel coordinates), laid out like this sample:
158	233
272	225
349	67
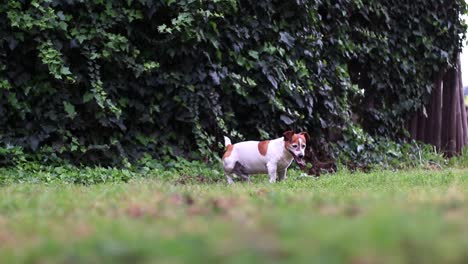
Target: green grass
418	216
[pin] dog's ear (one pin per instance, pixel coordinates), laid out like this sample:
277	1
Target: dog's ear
306	135
288	135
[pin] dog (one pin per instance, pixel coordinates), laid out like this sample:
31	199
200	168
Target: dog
272	157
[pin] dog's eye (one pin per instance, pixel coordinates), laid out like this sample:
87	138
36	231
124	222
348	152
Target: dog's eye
303	146
294	146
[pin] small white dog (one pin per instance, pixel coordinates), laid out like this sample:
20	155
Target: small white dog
261	157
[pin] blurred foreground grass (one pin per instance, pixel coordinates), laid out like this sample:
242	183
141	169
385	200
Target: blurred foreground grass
382	217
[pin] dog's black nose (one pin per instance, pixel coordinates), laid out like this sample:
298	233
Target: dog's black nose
300	156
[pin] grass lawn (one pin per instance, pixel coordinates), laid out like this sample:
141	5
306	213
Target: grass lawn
381	217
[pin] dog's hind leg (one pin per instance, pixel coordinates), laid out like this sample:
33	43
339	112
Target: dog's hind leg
245	177
241	171
228	170
229	177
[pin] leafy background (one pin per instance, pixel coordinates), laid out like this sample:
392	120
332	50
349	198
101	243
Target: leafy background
101	82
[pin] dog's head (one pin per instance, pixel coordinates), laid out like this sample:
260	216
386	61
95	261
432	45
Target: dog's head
296	145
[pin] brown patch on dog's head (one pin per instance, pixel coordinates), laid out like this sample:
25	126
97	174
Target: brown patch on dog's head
263	147
295	140
228	152
288	135
291	138
306	136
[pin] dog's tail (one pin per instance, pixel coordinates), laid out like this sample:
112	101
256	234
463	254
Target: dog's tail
227	141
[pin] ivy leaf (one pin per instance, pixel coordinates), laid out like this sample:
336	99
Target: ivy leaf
253	54
214	75
287	39
60	15
65	71
33	142
70	109
87	97
12	43
273	81
162	28
286	119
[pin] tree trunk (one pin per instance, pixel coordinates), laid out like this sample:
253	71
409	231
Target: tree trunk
437	113
446	124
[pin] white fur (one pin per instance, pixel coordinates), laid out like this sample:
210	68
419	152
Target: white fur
227	141
275	163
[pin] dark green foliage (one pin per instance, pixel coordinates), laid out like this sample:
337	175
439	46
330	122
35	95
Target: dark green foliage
355	155
104	81
36	173
178	171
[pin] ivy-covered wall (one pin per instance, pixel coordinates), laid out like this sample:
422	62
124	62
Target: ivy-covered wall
98	81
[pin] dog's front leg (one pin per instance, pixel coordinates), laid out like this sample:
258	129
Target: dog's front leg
282	174
272	171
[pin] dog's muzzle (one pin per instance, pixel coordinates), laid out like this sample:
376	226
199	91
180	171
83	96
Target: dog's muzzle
299	158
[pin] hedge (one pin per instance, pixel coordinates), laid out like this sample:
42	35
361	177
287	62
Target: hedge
101	81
